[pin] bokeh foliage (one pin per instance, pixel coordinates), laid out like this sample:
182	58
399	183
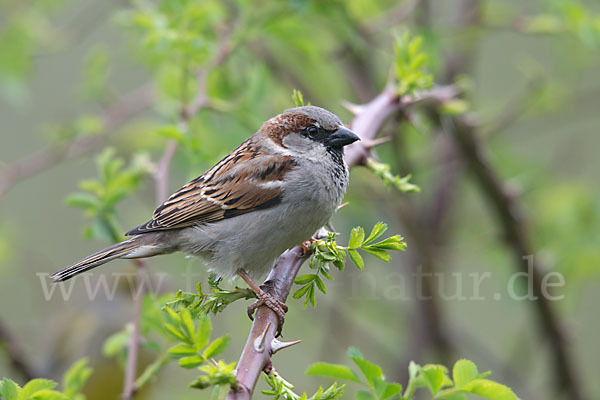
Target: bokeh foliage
63	64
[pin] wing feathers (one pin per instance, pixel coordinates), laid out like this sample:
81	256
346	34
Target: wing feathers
239	183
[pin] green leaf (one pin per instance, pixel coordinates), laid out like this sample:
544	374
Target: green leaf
304	279
356	259
191	362
434	377
47	394
333	371
379	386
82	200
327	256
176	333
75	377
371	371
381	254
463	372
182	350
362	395
376	232
392	243
354	352
339	264
116	343
452	395
187	323
382	171
220	392
91	185
201	382
320	284
217	346
391	390
9	389
454	107
34	386
203	333
173	314
489	390
357	236
300	292
171	132
298	98
310	295
409	62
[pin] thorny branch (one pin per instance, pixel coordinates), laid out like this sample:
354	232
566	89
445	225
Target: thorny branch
261	343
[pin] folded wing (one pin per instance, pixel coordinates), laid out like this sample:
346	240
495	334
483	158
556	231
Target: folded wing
244	181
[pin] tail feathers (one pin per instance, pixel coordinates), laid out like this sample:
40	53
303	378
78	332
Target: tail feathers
118	250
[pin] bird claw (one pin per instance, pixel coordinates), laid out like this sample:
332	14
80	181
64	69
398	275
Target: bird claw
279	307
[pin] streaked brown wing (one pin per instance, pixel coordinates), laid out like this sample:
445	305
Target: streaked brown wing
244	181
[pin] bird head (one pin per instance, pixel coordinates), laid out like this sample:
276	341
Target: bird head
308	129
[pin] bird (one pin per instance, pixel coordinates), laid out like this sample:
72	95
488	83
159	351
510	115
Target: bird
269	194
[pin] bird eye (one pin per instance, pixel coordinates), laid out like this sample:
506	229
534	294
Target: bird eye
312	131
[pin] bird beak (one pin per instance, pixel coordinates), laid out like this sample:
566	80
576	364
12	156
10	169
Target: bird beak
342	137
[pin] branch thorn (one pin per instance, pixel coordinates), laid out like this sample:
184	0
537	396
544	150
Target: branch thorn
342	206
353	108
277	345
376	142
259	342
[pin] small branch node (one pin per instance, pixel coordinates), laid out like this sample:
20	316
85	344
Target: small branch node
268	368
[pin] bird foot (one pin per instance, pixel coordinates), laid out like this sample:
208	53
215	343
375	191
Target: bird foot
266	299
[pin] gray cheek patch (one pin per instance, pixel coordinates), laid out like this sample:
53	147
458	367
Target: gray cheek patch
298	142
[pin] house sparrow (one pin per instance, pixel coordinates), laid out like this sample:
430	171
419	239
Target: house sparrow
269	194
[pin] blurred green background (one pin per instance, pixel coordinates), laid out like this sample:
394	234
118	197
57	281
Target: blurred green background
531	74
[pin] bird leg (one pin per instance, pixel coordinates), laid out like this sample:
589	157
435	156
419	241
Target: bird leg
264	299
